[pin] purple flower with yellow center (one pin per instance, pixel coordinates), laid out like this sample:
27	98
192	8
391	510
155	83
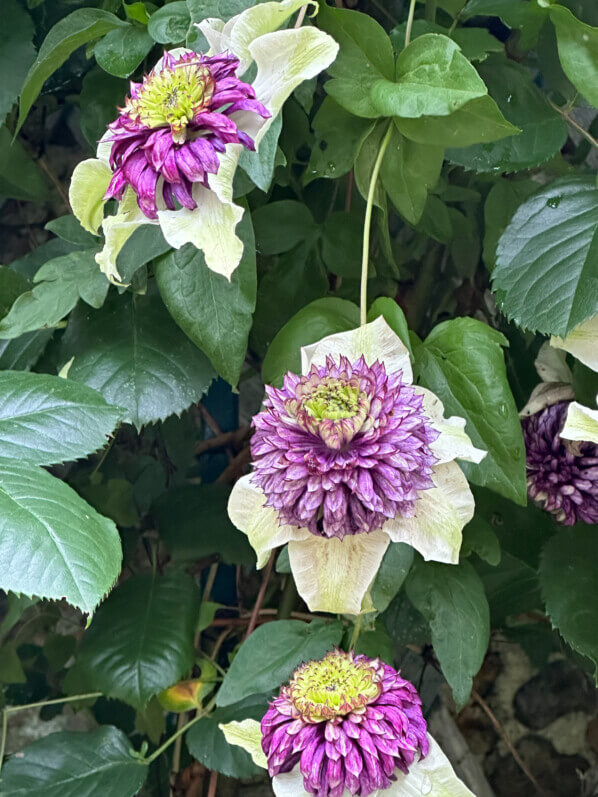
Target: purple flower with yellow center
562	475
348	457
347	725
173	127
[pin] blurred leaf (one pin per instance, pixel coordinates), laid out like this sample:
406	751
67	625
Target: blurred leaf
578	51
169	24
511	587
101	94
376	643
11	669
12	285
20	177
268	657
527	17
280	226
121	51
16	53
480	538
141	638
341	244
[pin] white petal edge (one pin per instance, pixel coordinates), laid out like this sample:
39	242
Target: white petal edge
545	395
375	341
581	424
582	342
433	776
89	183
453	441
334	575
440	515
117	231
248	735
248	512
551	364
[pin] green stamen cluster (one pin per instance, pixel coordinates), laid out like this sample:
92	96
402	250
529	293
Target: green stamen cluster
333	687
333	400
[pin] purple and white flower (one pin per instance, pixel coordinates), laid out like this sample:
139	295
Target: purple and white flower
348	457
347	725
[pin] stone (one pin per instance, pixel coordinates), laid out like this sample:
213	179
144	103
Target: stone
558	689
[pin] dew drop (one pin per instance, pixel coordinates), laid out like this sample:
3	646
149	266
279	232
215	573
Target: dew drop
554	201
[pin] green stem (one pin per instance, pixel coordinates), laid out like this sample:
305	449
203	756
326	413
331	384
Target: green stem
3	738
581	130
431	10
356	632
288	600
180	732
367	223
409	22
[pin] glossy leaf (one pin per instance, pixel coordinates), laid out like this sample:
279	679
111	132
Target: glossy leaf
578	51
169	24
122	50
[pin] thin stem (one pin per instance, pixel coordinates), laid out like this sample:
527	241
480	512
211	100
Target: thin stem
71	699
431	10
260	595
301	16
180	732
213	784
367	223
588	136
210	581
3	738
409	22
356	632
176	753
288	599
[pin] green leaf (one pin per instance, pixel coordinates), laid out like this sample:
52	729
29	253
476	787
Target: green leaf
193	523
338	138
69	229
19	176
58	286
569	582
546	274
409	170
206	743
502	201
462	362
280	226
511	587
16	53
169	25
313	322
53	544
260	165
433	79
122	50
136	11
215	314
268	657
73	31
527	17
46	419
578	51
452	599
365	57
12	285
478	121
341	244
376	643
98	101
71	764
543	131
141	638
393	571
143	246
22	353
480	538
133	353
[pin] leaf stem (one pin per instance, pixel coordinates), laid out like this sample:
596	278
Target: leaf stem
367	224
3	737
570	121
409	22
179	732
431	10
356	632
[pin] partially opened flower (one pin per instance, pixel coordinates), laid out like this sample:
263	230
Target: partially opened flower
170	156
347	725
348	457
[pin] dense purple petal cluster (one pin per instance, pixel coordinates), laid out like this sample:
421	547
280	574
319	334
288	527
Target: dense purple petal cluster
173	126
348	722
342	449
562	476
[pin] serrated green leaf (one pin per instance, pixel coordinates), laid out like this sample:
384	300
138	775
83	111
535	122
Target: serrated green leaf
313	322
462	362
452	599
546	274
214	313
268	657
122	50
141	638
193	523
73	31
543	131
71	764
45	419
569	581
433	79
169	24
16	53
52	543
578	51
133	353
58	286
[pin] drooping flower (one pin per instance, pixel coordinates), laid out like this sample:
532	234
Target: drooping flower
173	126
562	476
179	136
348	457
347	725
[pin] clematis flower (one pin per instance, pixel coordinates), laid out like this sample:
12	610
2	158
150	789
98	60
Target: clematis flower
347	725
170	157
348	457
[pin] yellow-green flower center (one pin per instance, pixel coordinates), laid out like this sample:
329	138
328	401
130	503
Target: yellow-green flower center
333	687
172	97
332	400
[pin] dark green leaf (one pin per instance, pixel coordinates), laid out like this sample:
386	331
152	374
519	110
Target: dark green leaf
73	31
169	24
12	285
215	314
320	318
393	571
480	538
16	53
569	581
71	764
511	587
133	353
122	50
193	523
259	166
546	274
101	94
376	644
141	638
280	226
20	177
462	362
578	51
341	244
23	352
143	246
452	599
268	657
527	17
502	201
69	229
52	543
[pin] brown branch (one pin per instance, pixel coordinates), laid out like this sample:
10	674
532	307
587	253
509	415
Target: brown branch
221	440
260	596
55	182
234	469
213	785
